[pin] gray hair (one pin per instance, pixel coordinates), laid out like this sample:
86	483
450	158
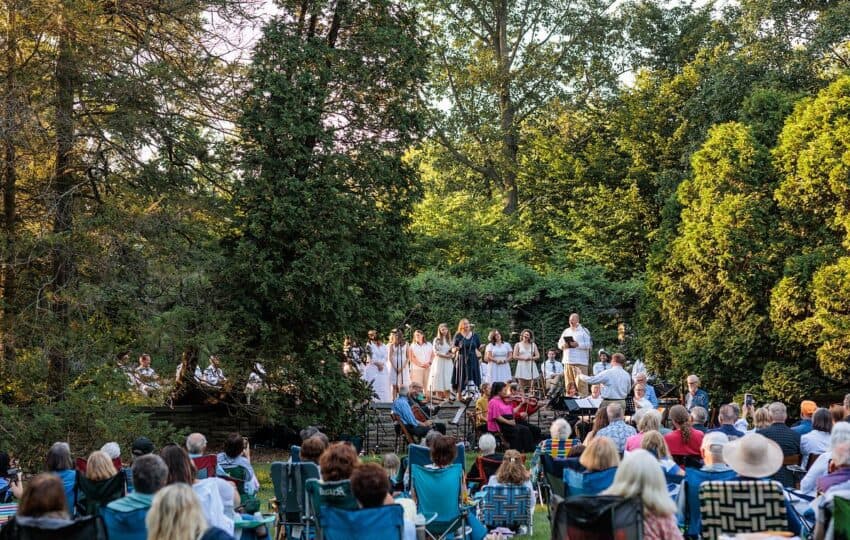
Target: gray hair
713	444
841	454
196	443
149	474
726	414
650	421
432	436
560	429
778	411
840	434
487	444
112	450
615	411
699	415
59	457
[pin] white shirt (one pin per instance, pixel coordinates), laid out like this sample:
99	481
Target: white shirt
213	376
813	442
552	368
577	355
808	484
616	382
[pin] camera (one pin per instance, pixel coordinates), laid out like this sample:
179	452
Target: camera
12	475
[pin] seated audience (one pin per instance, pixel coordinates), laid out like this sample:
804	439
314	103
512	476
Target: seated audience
639	476
640	399
807	409
60	463
600	421
714	468
371	488
838	471
837	412
487	446
649	421
600	454
840	434
699	419
559	445
653	442
696	396
740	423
640	378
176	515
237	455
99	467
392	464
443	452
142	446
113	450
313	431
43	505
312	449
684	441
761	419
617	429
196	445
13	484
432	436
727	418
785	437
125	518
511	472
816	441
338	462
753	457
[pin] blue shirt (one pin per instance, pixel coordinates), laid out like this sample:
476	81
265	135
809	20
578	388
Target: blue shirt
651	396
618	432
402	408
699	399
729	430
804	426
227	462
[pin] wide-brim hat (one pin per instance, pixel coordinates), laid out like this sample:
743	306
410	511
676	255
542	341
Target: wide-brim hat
753	456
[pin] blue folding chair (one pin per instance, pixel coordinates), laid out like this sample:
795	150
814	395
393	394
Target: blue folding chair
381	523
506	506
693	480
289	481
580	482
439	491
295	454
421	455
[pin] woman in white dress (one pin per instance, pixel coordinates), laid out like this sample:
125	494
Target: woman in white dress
421	356
526	356
498	355
399	358
376	370
441	371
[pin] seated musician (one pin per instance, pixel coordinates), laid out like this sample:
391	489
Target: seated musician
146	379
416	395
213	376
480	411
416	427
553	370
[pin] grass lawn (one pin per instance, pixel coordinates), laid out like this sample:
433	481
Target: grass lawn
541	525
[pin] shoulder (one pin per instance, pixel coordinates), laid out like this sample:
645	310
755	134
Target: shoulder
214	533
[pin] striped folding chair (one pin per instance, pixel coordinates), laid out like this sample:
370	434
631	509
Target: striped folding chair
742	506
506	506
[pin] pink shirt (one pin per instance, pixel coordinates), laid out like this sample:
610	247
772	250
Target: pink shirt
657	527
495	409
633	442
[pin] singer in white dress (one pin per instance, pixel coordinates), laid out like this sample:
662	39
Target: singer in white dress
421	356
399	359
526	356
441	371
498	355
376	371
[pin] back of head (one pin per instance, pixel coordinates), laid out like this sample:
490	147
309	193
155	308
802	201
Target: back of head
559	430
149	474
338	462
681	420
846	402
600	454
822	420
432	436
778	411
312	449
726	414
59	457
180	467
841	455
640	476
112	450
444	451
650	421
44	496
654	443
196	443
837	412
512	471
391	464
234	445
840	434
712	446
99	467
175	514
762	417
600	419
699	415
487	444
615	412
308	432
370	485
618	358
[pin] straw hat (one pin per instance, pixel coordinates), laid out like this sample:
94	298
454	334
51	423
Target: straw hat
753	456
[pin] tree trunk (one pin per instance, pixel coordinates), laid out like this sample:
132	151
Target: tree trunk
507	112
63	184
10	179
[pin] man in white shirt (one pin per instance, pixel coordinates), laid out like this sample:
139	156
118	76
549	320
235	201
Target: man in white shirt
553	370
213	375
576	343
616	382
147	381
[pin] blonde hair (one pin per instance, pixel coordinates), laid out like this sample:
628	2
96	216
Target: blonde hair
391	464
650	421
512	471
762	417
640	476
99	467
653	441
600	454
460	325
175	514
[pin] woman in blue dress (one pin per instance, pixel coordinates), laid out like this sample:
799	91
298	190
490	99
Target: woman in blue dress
466	344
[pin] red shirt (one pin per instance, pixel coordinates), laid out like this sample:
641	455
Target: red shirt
678	447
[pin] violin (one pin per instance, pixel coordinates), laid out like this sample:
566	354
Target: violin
526	406
418	413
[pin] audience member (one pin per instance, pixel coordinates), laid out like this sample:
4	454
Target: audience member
653	442
42	506
617	429
639	476
807	409
599	455
600	421
338	461
753	457
487	446
649	421
313	431
196	445
699	419
511	472
444	452
59	462
392	465
837	412
727	417
113	450
99	467
787	439
125	518
432	436
559	445
847	407
640	378
11	484
312	449
684	441
176	515
696	396
840	434
714	469
142	446
236	454
838	470
740	423
816	441
761	419
370	487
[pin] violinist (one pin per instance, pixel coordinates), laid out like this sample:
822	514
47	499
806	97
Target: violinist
423	412
527	405
501	416
416	427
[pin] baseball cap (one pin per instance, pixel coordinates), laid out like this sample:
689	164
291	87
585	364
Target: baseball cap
142	446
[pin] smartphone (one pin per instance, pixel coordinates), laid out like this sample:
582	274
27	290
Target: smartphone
748	400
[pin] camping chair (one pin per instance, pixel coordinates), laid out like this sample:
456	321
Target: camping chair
91	496
742	506
85	528
553	473
319	494
398	481
841	518
506	506
484	468
421	455
291	504
7	511
249	501
381	523
401	429
674	483
206	466
80	464
295	454
580	482
694	478
439	491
